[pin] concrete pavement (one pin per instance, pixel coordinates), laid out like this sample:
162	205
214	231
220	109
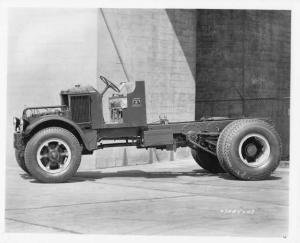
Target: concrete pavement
167	198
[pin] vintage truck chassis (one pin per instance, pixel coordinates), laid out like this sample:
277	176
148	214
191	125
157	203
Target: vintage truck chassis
49	141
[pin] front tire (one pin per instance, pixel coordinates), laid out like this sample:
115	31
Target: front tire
53	155
19	154
249	149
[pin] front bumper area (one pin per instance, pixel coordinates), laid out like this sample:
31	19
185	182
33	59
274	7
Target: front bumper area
19	141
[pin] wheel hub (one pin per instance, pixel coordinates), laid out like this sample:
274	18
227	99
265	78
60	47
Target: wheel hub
54	155
251	150
254	150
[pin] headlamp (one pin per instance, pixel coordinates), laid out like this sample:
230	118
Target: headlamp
21	124
18	124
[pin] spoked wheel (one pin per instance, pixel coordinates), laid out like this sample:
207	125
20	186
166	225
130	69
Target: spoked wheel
53	155
249	149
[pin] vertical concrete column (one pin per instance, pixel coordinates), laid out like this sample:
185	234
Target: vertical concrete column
156	46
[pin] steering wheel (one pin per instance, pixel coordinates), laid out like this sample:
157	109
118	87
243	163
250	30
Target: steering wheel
109	84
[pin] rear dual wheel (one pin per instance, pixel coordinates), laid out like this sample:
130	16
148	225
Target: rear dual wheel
53	155
207	161
249	149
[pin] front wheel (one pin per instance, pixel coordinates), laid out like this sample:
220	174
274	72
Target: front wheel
53	155
249	149
20	160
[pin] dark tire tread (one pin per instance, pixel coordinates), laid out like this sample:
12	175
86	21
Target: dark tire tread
30	153
19	154
222	140
207	161
225	139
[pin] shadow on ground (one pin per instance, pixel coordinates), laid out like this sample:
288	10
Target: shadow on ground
96	175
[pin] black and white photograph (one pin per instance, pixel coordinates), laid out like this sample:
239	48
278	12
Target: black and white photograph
159	122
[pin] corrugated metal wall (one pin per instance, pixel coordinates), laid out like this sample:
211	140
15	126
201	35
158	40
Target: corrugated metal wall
243	66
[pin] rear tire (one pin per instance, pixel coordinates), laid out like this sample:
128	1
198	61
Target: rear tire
207	161
21	160
53	155
249	149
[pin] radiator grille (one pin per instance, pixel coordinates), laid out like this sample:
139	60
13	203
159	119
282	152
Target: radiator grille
81	111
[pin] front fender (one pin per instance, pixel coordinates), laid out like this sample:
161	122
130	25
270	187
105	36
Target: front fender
88	137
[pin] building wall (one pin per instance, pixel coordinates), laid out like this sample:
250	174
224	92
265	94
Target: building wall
48	50
53	49
225	54
243	66
156	46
